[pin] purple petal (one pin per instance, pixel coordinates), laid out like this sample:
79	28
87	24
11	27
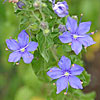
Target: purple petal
65	3
65	37
75	82
84	27
62	83
61	9
23	38
55	73
14	56
12	44
86	40
63	14
76	46
76	70
20	4
32	46
27	57
64	63
71	25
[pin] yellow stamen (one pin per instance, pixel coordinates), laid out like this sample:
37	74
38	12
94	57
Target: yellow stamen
66	74
22	50
75	36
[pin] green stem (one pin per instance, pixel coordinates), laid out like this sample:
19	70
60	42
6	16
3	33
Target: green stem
36	16
41	12
42	15
33	14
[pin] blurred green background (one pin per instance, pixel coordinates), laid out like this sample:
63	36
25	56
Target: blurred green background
17	81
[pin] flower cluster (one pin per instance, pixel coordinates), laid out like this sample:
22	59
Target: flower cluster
76	36
73	33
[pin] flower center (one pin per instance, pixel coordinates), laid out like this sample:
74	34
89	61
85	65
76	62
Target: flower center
75	36
66	74
22	50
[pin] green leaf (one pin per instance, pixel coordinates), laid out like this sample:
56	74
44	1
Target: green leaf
40	66
45	42
85	77
42	46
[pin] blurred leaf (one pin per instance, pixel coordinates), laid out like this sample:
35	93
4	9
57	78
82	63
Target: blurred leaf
24	93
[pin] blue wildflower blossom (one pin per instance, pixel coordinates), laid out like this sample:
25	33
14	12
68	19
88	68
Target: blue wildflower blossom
21	48
66	74
20	4
61	9
77	35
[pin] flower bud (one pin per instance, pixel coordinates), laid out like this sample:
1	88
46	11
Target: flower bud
61	9
46	32
44	5
36	4
20	4
62	28
44	25
75	17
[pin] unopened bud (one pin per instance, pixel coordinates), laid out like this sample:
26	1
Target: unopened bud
44	5
6	49
54	83
65	93
81	82
36	4
62	28
81	14
50	17
20	4
44	25
75	17
17	63
46	32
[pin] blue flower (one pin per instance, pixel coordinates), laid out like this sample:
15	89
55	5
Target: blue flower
66	74
61	9
77	35
21	48
20	4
